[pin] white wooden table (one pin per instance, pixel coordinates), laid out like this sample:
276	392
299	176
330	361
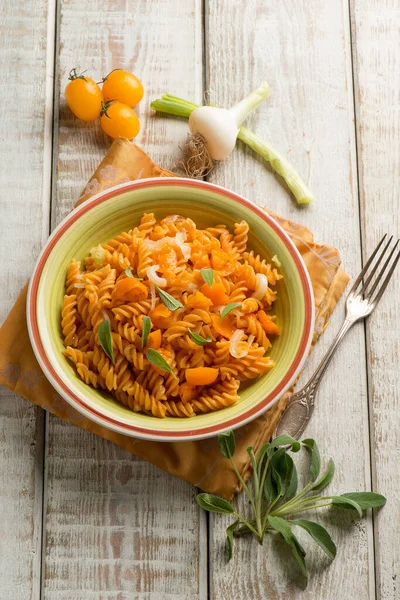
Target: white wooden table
81	518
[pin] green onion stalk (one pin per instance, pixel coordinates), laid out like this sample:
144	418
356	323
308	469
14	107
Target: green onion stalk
173	105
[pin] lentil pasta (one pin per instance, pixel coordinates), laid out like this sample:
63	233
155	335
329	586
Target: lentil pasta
187	314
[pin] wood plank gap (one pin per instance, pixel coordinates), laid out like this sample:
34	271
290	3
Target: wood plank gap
353	62
49	179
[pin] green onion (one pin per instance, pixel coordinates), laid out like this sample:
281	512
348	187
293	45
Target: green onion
173	105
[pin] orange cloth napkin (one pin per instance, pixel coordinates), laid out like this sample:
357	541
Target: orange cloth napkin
198	462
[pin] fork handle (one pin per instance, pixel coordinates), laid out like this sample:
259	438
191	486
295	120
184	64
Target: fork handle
300	407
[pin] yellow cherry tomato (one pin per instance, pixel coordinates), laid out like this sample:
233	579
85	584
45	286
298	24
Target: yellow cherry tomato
123	86
83	96
119	121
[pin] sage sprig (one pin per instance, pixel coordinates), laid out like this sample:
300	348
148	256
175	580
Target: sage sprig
276	501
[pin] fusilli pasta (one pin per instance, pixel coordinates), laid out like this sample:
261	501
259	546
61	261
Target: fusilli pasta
207	356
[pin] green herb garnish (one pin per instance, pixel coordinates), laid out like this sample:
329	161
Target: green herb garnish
157	359
129	273
105	339
146	328
230	307
275	499
169	301
208	276
198	339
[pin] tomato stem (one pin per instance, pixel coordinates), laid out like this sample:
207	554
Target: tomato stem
104	107
74	75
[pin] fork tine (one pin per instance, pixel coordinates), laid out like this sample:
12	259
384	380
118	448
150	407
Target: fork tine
382	271
386	280
376	265
366	266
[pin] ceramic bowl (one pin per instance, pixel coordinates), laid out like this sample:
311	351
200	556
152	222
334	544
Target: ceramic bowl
119	209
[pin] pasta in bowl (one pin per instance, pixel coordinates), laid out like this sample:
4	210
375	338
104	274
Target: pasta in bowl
170	318
200	316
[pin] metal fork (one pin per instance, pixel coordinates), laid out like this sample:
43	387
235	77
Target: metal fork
361	301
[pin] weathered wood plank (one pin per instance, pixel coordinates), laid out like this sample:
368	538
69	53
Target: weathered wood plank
26	57
117	527
377	86
303	50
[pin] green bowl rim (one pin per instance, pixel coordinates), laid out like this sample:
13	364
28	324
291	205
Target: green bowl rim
153	433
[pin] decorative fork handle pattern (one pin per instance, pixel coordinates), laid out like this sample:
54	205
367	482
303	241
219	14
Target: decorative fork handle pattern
298	412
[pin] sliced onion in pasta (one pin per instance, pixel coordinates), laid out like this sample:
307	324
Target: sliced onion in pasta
177	240
234	349
154	278
237	348
261	287
180	238
153	295
192	288
79	285
105	316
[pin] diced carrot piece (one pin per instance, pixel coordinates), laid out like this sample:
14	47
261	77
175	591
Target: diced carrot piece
129	290
225	326
222	262
203	262
154	339
201	375
161	316
187	392
199	300
268	324
216	293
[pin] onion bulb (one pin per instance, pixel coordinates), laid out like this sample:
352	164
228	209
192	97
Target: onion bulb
215	130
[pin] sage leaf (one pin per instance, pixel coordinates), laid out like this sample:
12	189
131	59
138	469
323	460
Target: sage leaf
229	307
169	301
198	339
292	486
286	532
229	538
286	440
157	359
227	443
365	499
105	338
319	535
342	502
325	478
215	504
208	276
270	491
315	465
282	469
146	328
